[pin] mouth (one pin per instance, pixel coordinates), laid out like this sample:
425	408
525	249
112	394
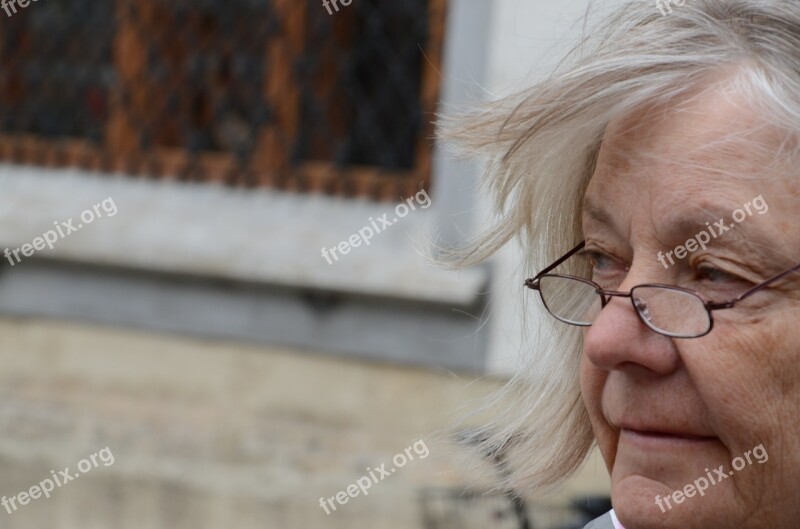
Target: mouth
658	437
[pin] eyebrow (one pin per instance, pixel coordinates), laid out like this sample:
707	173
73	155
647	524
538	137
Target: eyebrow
595	211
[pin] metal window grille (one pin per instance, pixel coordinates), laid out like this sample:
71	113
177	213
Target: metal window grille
269	93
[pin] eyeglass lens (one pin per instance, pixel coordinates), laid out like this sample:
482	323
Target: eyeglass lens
665	310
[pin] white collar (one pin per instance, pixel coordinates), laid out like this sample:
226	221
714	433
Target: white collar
614	519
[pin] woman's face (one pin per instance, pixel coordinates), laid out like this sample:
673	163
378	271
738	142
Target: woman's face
671	416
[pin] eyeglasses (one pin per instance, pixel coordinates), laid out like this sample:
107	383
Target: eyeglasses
666	309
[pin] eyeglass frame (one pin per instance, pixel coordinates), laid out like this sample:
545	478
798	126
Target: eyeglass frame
606	295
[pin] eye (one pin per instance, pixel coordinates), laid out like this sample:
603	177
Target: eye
716	277
607	271
598	261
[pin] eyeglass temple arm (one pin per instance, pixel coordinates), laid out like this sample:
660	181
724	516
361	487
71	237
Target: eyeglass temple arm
531	282
731	303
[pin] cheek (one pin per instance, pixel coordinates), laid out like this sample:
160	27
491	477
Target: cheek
750	382
592	384
592	381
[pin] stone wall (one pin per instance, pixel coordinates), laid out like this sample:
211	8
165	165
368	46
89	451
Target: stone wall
212	435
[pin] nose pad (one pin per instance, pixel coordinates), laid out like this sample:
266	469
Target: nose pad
642	308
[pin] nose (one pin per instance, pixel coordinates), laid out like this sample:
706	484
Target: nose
619	340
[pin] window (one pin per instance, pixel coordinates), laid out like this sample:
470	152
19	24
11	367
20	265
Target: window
255	93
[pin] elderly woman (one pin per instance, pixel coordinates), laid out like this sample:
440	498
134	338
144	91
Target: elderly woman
654	182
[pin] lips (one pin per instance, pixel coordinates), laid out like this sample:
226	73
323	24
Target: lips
650	434
656	432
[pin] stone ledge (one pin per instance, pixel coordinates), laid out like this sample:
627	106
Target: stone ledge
242	234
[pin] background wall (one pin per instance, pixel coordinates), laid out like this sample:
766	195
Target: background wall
234	374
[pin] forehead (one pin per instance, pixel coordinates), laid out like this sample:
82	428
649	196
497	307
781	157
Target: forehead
664	171
710	150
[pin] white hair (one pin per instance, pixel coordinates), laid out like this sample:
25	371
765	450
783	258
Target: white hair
542	145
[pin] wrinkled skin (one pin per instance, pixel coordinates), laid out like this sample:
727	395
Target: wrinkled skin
664	410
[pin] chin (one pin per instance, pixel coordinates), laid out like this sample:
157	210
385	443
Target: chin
634	500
